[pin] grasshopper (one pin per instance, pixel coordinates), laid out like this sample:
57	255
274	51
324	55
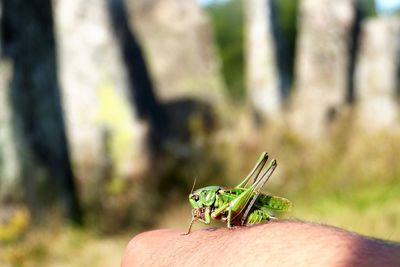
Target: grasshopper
240	205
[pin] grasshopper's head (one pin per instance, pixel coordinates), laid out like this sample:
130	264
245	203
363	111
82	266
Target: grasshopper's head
204	197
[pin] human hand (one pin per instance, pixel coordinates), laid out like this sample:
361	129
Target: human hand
283	243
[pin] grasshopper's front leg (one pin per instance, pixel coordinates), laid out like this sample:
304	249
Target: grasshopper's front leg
207	216
223	209
196	215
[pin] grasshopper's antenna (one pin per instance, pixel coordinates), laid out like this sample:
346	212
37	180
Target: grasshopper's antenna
194	183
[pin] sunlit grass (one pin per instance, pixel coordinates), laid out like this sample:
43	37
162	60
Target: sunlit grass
64	247
351	181
371	210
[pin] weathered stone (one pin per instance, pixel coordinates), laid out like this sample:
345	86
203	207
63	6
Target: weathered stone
261	59
10	178
322	65
180	51
35	108
101	122
377	80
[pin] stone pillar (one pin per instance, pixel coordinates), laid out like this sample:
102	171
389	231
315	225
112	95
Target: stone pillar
180	50
10	176
35	107
377	74
261	59
322	64
100	119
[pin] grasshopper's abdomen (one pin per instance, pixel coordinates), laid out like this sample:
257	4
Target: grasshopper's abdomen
273	203
258	217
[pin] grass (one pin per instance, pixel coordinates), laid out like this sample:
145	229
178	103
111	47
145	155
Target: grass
350	180
64	247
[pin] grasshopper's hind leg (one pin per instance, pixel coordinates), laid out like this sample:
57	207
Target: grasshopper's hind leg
257	168
258	185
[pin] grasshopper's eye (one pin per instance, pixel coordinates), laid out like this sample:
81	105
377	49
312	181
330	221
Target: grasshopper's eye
195	197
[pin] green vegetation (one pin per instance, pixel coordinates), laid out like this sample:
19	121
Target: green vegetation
287	25
227	21
368	7
350	180
63	247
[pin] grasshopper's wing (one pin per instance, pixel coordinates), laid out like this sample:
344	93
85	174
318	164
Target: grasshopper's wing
256	170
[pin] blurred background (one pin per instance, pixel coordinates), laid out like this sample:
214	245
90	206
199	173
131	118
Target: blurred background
109	109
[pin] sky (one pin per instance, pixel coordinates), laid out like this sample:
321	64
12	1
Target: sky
206	2
382	6
385	6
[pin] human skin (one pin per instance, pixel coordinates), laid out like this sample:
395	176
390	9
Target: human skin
285	243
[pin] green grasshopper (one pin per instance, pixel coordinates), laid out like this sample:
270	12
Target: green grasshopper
241	205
